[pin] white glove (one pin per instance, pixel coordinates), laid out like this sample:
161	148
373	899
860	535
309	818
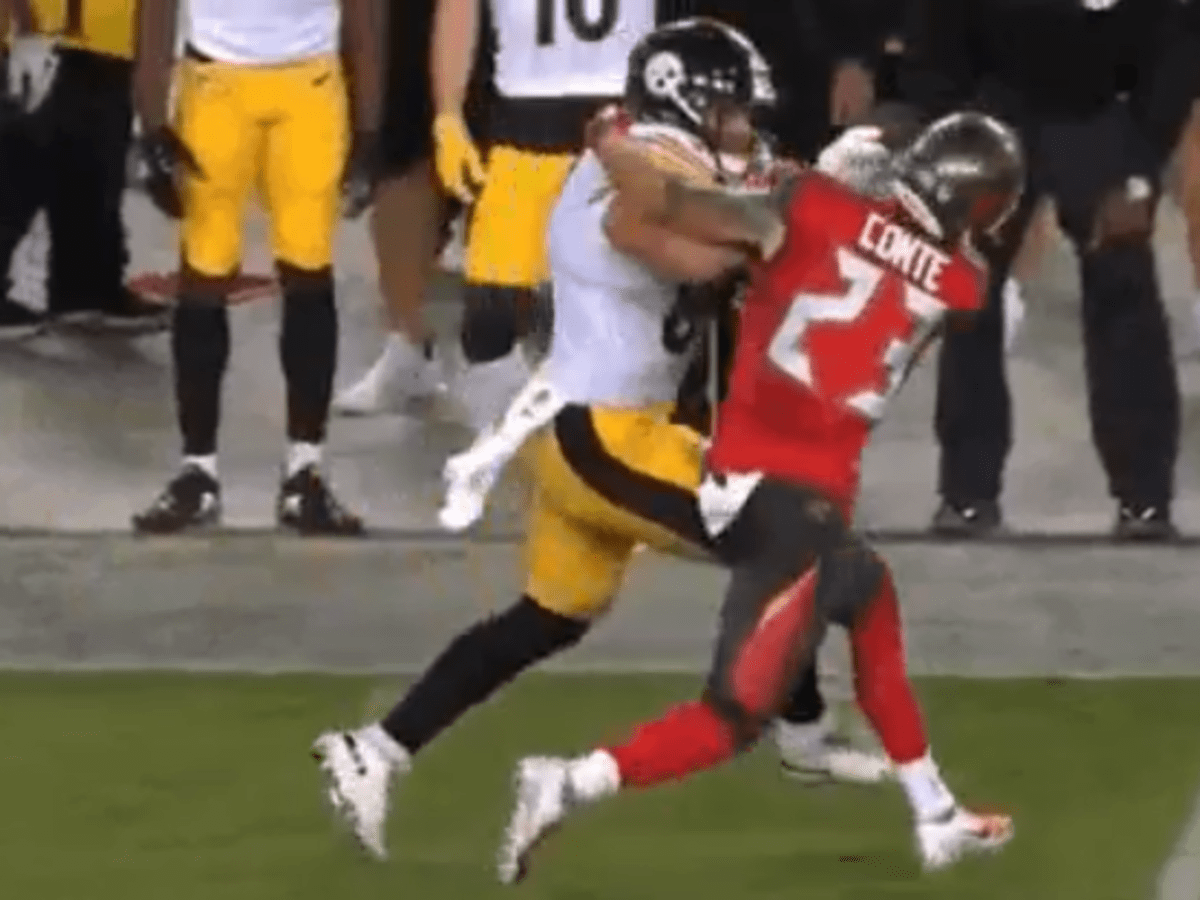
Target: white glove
470	476
32	67
856	157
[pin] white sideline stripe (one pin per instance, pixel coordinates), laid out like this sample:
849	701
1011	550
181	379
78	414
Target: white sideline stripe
1179	878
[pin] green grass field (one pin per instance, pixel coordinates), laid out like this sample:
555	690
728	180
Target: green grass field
152	787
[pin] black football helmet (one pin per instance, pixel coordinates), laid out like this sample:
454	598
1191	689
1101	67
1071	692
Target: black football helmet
680	72
964	173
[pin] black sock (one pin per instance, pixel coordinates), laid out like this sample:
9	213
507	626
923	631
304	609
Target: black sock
200	349
308	351
489	328
486	656
805	703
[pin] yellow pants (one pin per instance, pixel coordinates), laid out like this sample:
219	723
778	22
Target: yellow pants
506	237
283	129
605	481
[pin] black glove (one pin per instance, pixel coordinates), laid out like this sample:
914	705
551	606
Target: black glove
168	161
361	174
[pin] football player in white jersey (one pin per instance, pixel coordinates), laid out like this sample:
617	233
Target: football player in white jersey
261	103
611	469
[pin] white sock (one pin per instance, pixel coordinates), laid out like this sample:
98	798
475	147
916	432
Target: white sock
396	755
923	786
399	354
595	775
300	456
486	389
206	464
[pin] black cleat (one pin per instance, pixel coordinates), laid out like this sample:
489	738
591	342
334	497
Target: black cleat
1144	522
130	315
192	499
308	507
973	519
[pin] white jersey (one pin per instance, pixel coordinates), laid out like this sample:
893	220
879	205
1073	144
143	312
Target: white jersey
263	32
567	48
615	342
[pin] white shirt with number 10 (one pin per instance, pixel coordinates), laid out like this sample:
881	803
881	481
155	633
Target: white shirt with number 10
567	48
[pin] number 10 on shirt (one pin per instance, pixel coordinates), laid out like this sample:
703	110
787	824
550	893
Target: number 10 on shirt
586	27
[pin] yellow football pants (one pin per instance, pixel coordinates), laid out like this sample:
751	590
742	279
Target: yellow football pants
283	129
506	236
605	481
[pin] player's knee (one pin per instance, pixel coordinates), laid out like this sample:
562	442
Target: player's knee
303	237
490	322
526	633
211	255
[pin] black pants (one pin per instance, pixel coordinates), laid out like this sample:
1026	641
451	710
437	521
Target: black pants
1133	393
767	640
70	159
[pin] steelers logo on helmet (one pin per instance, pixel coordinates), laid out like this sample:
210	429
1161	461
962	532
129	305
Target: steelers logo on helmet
664	75
679	72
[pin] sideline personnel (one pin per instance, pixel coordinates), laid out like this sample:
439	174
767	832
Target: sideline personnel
262	103
71	72
1099	90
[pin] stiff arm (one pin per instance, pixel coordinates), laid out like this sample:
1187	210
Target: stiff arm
751	221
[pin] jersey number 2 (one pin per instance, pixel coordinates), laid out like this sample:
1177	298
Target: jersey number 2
787	350
584	28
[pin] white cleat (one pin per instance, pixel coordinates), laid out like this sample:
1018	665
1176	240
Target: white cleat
816	753
544	796
400	374
943	842
358	781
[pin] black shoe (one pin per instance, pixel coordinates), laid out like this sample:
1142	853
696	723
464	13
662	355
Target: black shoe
192	499
135	315
977	518
1144	522
308	506
18	321
130	315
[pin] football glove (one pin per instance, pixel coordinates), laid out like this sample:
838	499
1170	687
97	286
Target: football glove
168	161
32	67
361	174
459	163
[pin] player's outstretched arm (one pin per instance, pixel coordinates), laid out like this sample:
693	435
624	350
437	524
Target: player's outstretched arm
364	24
750	221
156	31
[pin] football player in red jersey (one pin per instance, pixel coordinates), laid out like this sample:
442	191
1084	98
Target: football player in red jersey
846	290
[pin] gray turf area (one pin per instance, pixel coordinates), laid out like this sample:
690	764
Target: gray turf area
258	602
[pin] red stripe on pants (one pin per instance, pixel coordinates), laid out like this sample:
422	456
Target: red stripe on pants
762	670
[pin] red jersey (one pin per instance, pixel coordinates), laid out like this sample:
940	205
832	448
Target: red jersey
829	329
